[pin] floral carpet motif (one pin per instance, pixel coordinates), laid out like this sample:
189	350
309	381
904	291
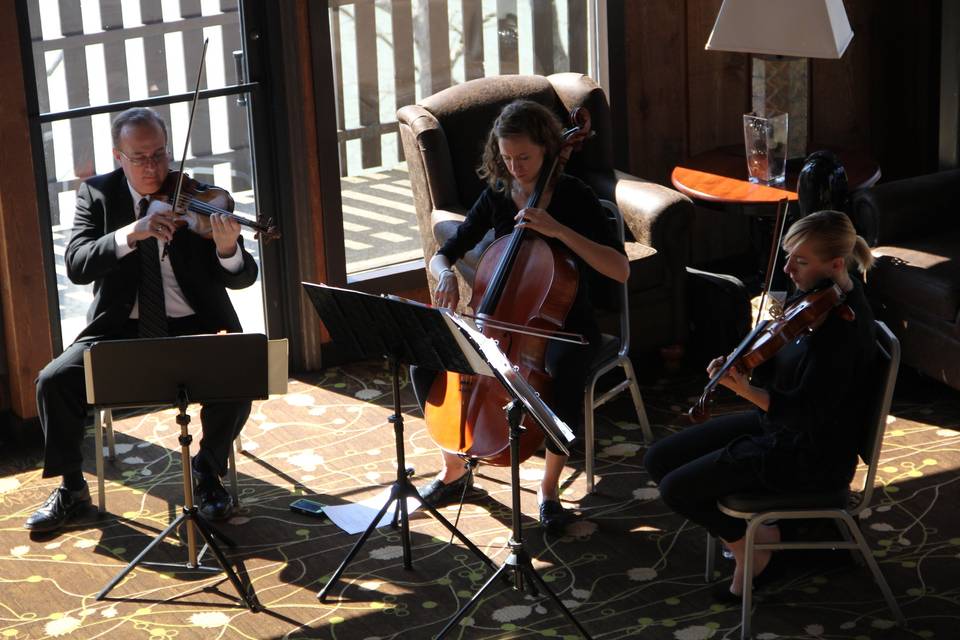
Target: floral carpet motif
627	568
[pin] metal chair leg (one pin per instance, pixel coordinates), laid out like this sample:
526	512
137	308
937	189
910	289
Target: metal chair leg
232	472
111	442
747	604
854	553
589	445
711	558
98	446
631	376
874	568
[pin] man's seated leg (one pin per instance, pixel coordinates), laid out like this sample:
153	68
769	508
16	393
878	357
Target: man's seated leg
61	404
222	423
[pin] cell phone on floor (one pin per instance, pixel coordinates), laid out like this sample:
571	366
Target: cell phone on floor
308	507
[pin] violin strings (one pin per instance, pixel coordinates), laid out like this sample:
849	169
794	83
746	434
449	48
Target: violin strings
203	208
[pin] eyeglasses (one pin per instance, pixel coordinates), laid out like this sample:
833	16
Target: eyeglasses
160	157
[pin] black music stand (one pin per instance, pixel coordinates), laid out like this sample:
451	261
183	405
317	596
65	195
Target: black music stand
367	327
165	372
438	339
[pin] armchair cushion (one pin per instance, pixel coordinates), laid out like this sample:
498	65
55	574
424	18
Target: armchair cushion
914	227
923	274
920	207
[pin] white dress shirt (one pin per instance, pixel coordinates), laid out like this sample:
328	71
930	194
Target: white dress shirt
174	301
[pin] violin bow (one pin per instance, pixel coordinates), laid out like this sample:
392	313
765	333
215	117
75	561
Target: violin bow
186	140
778	228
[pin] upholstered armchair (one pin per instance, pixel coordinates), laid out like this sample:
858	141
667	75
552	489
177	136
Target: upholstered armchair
443	137
914	287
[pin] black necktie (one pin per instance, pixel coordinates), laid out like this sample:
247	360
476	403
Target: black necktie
153	313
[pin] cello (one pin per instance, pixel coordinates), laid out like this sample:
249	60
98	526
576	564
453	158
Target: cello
522	279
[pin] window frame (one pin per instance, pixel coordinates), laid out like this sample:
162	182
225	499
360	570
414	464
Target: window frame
410	275
255	87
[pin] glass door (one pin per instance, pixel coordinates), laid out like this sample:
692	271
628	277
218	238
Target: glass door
390	53
95	58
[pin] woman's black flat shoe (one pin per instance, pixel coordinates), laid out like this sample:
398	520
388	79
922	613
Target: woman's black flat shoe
553	517
437	494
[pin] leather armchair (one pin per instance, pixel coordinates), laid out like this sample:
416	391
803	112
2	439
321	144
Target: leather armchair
915	285
443	137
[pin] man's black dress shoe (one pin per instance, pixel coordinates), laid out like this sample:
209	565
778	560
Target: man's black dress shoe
62	505
553	517
213	500
437	494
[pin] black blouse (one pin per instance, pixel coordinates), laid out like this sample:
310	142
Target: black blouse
820	387
574	205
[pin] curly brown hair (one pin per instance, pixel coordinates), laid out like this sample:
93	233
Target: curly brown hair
519	118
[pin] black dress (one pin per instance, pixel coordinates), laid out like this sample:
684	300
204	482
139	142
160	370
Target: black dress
808	439
574	205
818	386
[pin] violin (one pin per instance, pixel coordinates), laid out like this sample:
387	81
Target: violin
194	202
197	202
801	316
525	280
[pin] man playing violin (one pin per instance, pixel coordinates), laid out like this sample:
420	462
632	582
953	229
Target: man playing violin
802	434
523	137
118	237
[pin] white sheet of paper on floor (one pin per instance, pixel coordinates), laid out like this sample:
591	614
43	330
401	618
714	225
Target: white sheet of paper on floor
356	516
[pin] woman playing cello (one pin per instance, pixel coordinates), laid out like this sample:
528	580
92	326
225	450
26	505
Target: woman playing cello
802	433
524	136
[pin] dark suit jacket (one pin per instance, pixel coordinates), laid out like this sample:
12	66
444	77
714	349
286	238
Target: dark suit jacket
104	205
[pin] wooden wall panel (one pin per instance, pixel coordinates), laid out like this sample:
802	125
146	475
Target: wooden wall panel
655	96
717	84
23	285
879	97
840	110
882	96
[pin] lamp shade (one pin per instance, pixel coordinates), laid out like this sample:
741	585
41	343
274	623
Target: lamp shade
800	28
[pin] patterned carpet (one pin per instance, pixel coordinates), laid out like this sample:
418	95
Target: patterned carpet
628	568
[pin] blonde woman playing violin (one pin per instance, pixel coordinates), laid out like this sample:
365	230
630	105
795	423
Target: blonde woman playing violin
802	433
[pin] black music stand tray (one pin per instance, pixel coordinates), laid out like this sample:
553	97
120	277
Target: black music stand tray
369	326
165	372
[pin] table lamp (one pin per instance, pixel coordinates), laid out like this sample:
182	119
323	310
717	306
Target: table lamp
781	34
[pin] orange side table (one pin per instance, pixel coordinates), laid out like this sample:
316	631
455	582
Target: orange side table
720	176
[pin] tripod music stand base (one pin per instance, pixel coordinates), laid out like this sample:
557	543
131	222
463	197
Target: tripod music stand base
191	516
209	535
519	562
401	489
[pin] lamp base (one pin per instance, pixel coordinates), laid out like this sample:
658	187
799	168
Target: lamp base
779	85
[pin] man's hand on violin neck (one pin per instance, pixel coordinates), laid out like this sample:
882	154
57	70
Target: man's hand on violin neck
226	231
156	224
